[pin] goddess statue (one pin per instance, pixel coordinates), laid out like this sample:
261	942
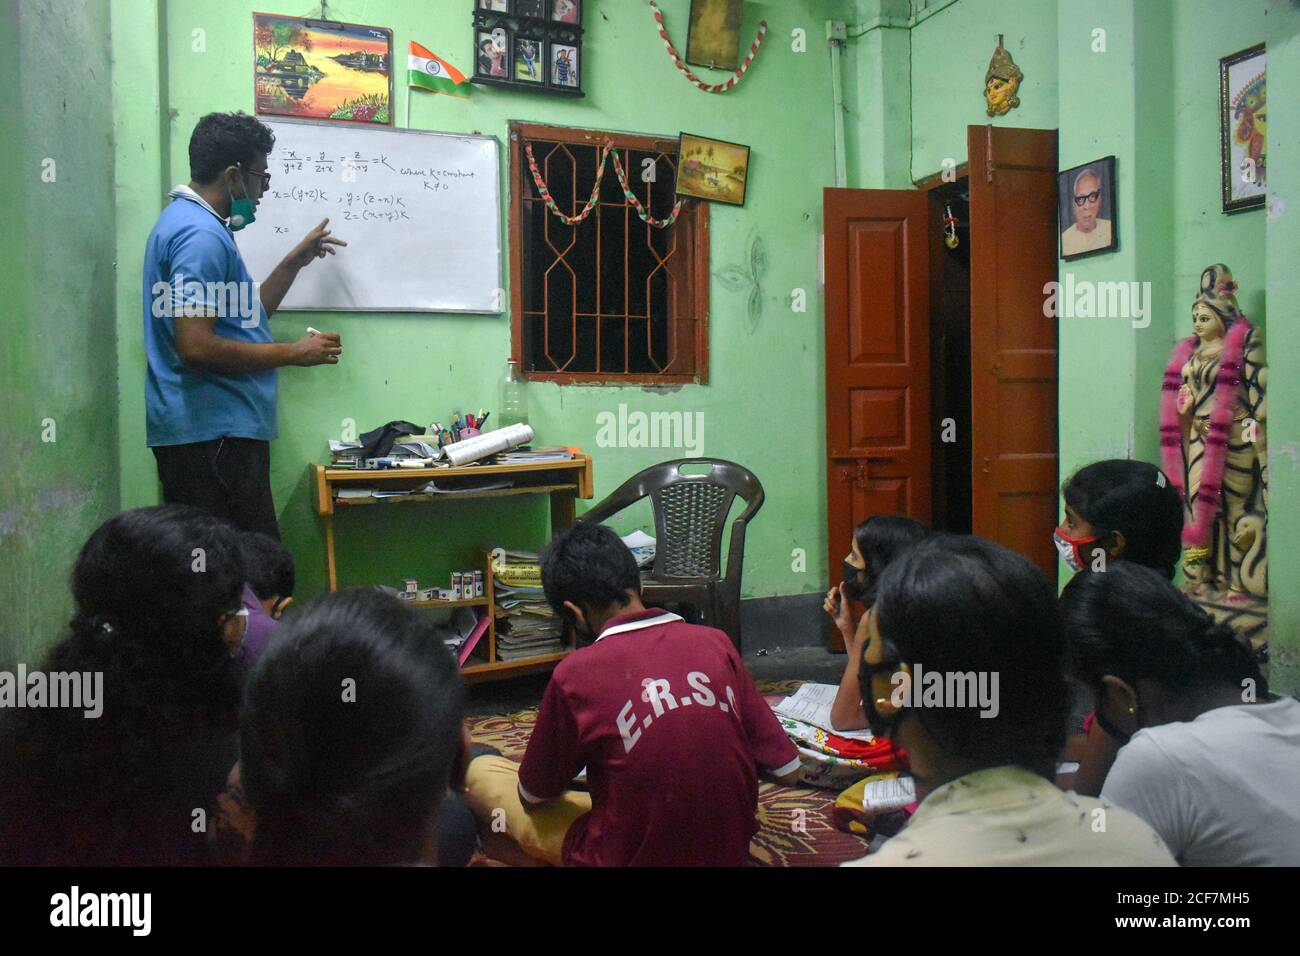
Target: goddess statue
1212	438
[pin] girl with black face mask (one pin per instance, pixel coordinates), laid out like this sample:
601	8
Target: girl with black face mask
876	542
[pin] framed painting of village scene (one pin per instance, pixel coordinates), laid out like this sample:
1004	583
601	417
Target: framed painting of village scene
712	169
322	70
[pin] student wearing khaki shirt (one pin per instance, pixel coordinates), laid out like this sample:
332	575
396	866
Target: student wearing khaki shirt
964	669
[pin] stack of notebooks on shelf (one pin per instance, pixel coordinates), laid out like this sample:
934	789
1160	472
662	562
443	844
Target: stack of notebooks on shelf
344	454
526	625
417	446
412	451
524	456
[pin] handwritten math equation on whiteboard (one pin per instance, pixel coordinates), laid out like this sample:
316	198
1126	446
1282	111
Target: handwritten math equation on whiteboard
348	167
421	212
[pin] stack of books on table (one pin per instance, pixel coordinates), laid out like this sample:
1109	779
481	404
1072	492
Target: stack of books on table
526	625
412	450
526	456
344	454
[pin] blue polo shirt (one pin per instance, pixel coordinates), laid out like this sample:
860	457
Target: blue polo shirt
193	267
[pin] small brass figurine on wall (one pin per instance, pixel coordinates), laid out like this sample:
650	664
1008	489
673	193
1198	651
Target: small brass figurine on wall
1002	82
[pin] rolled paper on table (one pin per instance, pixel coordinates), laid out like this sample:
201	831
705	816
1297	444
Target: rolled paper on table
480	446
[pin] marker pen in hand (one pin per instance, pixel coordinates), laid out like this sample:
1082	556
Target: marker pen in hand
311	331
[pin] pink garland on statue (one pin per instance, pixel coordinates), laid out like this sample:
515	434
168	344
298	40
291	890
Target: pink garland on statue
686	70
1227	378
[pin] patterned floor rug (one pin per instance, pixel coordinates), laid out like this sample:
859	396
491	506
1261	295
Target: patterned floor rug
795	826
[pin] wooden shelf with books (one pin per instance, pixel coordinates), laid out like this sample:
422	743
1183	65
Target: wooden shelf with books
464	602
515	661
562	481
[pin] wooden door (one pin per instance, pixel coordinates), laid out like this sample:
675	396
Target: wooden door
1013	345
877	361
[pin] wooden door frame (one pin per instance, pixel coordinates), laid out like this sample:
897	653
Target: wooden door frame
935	180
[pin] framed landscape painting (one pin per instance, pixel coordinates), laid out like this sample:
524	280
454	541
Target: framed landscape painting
712	169
315	69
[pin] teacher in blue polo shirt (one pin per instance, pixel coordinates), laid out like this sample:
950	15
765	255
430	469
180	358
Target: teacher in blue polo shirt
210	393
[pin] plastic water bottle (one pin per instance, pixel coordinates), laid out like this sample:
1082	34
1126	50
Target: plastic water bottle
513	405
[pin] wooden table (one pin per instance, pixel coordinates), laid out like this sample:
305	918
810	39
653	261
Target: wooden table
562	481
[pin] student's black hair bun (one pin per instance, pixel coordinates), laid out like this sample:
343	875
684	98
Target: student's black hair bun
1221	649
1136	499
1132	623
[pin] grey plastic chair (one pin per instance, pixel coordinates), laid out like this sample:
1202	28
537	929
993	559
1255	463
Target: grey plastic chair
690	513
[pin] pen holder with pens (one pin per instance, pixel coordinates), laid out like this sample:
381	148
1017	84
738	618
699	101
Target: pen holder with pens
445	434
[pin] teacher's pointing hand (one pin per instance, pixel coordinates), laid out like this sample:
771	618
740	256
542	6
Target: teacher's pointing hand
315	245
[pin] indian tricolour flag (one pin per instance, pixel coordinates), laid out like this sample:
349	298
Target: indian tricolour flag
428	72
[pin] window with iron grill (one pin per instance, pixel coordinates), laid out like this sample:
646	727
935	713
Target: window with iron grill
609	299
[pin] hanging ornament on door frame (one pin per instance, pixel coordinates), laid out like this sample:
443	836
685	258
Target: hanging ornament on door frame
950	228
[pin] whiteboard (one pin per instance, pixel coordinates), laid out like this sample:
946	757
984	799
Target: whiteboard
420	212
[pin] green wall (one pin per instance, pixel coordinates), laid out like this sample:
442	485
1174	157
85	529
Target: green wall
1202	233
913	75
763	406
877	94
950	53
1150	98
1282	284
1110	370
58	426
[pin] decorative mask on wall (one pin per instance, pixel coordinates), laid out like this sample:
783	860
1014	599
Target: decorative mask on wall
1002	82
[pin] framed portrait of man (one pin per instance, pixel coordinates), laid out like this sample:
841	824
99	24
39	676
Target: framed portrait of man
1086	208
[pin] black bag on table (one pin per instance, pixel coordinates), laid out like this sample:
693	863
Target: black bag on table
380	441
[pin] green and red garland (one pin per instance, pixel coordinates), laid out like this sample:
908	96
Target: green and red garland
686	70
605	154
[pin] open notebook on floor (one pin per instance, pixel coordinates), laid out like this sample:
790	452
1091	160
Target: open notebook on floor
811	703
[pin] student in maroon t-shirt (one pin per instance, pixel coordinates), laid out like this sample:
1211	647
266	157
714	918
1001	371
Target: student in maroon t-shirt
662	714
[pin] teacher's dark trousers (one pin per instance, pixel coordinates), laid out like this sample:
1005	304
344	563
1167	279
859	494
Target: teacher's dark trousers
229	477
